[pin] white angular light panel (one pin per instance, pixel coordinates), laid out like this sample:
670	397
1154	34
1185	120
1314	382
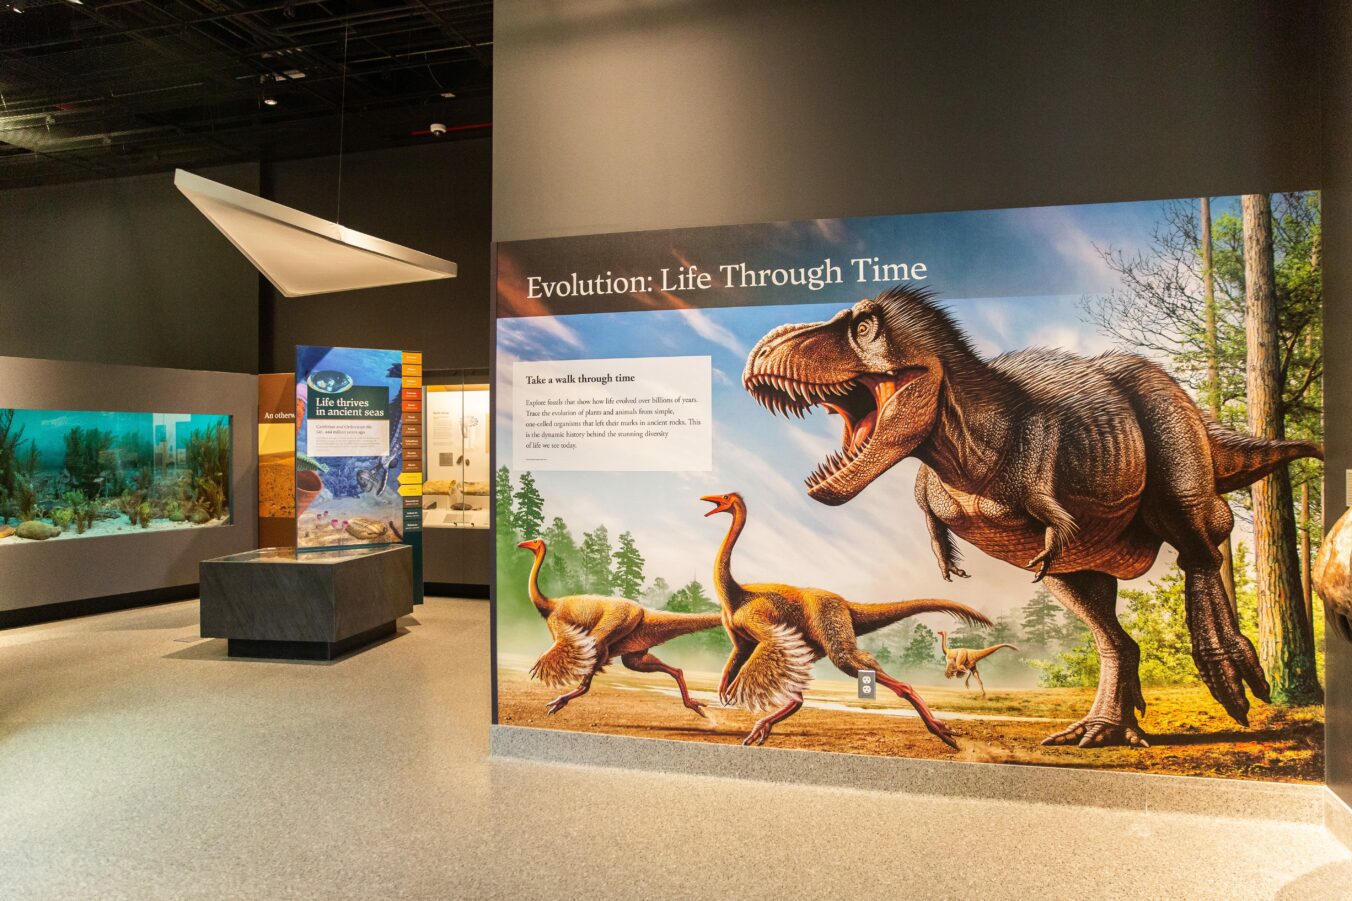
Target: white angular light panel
302	254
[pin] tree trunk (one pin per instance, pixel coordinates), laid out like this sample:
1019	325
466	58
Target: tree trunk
1284	633
1213	379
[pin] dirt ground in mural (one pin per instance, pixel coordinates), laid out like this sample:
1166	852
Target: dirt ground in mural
1188	732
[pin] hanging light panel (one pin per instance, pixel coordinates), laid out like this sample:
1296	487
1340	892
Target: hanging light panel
302	254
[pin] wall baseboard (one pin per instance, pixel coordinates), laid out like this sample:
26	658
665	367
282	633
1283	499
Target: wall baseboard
455	590
1231	798
1337	817
46	613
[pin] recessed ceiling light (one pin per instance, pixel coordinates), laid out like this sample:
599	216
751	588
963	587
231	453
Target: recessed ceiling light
449	95
269	101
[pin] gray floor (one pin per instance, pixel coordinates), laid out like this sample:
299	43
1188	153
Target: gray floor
137	762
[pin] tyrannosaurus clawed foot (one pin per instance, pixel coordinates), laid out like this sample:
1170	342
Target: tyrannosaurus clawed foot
1097	733
1225	658
1225	667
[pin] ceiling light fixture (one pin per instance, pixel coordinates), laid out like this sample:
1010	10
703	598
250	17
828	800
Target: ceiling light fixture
302	254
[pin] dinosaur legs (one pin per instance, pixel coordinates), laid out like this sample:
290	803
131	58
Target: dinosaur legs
645	662
761	731
1225	657
561	701
968	683
1111	720
849	658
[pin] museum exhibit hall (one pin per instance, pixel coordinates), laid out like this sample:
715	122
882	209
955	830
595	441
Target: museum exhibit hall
675	449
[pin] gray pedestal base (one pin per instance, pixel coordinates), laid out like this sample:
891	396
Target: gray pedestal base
317	605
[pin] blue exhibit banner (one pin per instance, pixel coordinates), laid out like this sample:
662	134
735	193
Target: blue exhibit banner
358	449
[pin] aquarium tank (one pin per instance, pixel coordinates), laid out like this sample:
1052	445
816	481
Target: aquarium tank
83	473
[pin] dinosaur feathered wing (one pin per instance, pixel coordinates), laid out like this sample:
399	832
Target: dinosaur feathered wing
776	673
569	659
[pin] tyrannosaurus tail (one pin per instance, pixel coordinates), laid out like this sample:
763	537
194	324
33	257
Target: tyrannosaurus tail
870	617
1241	460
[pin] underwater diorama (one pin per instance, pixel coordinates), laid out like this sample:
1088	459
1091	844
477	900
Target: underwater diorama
83	473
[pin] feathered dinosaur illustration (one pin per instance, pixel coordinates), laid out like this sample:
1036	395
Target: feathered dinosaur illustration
1075	468
779	631
589	631
963	661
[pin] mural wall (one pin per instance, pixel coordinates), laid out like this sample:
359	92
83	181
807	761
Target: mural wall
1048	478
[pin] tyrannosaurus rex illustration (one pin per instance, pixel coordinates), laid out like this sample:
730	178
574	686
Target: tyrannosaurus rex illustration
1076	468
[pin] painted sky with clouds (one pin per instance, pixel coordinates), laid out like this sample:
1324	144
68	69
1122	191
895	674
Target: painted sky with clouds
1012	279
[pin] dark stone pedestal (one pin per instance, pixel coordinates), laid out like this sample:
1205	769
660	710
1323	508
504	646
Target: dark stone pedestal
309	605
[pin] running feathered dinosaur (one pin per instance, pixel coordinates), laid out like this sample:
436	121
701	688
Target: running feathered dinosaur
779	631
590	630
963	661
1075	468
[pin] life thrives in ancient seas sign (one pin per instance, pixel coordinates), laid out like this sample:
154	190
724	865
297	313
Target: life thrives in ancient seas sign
359	446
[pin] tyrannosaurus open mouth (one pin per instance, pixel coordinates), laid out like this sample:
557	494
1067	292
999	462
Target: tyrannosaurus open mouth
860	402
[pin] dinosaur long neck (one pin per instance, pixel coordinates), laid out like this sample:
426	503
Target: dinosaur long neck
537	597
943	644
729	590
975	425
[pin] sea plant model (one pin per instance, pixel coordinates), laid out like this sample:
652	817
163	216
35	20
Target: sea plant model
69	473
779	631
590	630
1076	469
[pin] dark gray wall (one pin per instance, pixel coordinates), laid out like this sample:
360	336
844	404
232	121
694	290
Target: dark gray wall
434	198
613	116
34	574
1337	259
125	271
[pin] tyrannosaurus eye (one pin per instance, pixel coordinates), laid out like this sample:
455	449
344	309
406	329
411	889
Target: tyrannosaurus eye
865	327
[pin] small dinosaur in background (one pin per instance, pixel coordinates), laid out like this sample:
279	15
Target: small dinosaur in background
590	630
963	661
1075	468
779	631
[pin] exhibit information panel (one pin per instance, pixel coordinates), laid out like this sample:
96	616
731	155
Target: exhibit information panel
456	492
277	460
359	434
86	473
1034	486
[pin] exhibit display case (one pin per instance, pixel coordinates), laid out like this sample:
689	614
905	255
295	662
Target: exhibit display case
456	492
86	473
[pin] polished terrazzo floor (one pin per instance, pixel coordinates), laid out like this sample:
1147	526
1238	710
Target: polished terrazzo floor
137	761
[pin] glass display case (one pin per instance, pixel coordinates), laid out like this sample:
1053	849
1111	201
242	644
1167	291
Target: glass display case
456	468
85	473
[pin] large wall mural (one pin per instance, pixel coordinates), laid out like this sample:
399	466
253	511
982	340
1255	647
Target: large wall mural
1035	486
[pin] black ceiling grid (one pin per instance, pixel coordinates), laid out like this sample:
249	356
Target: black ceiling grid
122	87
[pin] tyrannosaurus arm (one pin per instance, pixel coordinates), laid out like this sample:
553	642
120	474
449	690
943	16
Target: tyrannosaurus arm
941	540
1060	526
